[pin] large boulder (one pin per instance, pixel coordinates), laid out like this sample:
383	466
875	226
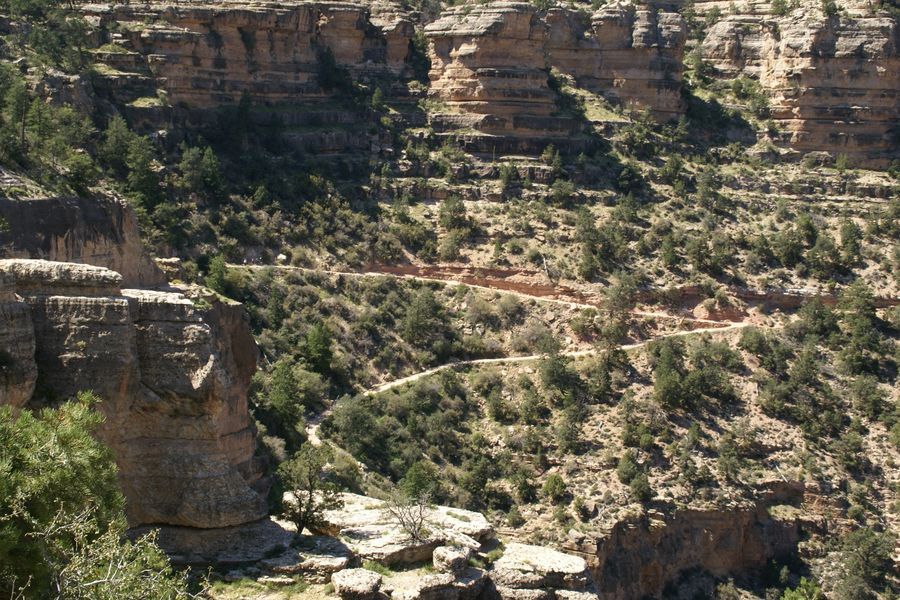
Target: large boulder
356	584
451	559
366	526
524	567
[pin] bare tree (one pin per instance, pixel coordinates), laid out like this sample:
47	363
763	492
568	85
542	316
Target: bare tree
411	514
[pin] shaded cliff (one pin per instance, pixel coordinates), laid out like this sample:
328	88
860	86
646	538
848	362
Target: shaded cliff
100	231
173	375
639	558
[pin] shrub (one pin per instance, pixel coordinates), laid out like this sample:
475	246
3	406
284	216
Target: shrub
313	494
628	468
62	524
555	488
640	488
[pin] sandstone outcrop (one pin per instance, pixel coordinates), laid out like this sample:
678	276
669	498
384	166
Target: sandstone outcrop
172	375
367	528
206	54
100	231
490	65
638	557
832	82
526	567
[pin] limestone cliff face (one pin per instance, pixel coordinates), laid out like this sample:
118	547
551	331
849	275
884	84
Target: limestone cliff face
99	231
173	375
209	54
832	82
637	558
630	54
492	61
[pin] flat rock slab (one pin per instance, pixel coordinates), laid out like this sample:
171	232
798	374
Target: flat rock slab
370	532
227	546
315	557
464	585
526	567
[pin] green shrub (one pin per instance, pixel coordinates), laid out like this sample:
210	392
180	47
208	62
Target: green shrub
62	523
555	488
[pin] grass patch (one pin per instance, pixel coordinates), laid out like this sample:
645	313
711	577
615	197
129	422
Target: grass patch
376	567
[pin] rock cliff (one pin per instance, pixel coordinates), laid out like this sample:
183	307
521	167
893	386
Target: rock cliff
637	558
208	54
491	63
99	231
832	82
172	373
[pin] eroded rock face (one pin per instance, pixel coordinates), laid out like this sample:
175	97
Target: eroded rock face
18	371
173	378
98	231
490	62
832	82
209	54
636	559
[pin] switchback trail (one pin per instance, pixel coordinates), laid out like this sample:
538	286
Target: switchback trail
312	426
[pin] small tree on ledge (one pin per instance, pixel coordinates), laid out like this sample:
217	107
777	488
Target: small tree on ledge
304	476
410	512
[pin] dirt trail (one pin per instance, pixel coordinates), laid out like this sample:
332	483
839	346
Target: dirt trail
494	280
531	283
312	426
533	357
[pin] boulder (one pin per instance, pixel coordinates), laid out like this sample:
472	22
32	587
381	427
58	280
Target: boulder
526	567
467	584
368	529
356	584
451	559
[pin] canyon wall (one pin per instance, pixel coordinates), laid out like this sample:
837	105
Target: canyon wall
209	54
832	82
639	557
490	64
99	231
172	373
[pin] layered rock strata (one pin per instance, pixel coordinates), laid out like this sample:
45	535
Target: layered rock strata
99	231
638	558
210	54
172	375
490	64
832	83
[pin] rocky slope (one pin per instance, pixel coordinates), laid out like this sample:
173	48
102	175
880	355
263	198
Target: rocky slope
172	373
831	81
466	558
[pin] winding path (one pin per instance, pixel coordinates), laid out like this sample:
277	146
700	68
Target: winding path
449	281
312	427
549	294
